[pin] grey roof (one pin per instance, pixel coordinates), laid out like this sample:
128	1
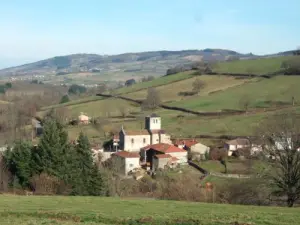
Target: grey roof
153	115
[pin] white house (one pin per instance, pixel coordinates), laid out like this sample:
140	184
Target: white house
134	140
125	162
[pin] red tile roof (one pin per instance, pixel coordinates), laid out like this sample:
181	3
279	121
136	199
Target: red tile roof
187	142
125	154
174	159
164	148
136	132
163	156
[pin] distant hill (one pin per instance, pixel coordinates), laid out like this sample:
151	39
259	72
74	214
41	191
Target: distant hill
155	62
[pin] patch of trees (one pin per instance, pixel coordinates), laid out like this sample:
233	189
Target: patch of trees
61	73
76	89
64	99
4	87
35	81
201	68
148	78
65	167
291	66
130	82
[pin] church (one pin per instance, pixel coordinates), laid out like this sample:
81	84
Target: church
134	140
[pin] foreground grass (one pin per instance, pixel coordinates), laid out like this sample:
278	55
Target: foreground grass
96	210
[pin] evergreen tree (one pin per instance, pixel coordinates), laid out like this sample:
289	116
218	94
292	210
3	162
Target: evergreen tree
64	99
53	150
19	162
88	180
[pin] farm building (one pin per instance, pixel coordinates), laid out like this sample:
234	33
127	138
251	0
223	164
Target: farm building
239	143
197	149
83	119
125	162
161	155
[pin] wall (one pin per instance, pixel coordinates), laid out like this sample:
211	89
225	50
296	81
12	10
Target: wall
165	138
200	148
131	163
138	142
159	163
182	156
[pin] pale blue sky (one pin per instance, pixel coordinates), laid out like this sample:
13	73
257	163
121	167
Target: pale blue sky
36	29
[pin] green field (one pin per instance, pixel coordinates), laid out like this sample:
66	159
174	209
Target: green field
156	82
108	211
265	97
252	66
261	93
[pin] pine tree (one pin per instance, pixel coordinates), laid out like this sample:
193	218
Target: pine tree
19	162
53	149
88	180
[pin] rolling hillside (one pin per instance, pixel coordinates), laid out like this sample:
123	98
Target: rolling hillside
97	210
265	97
155	62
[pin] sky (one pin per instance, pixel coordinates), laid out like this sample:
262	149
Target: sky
33	30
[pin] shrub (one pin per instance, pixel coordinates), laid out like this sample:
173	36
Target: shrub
64	99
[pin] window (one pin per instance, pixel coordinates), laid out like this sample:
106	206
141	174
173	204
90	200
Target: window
132	141
144	140
130	165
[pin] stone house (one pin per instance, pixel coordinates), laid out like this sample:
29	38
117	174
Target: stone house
83	119
125	162
134	140
162	154
238	143
197	149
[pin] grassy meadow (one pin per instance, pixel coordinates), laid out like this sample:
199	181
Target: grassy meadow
252	66
108	211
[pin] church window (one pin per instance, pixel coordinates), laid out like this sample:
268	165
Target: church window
132	141
144	140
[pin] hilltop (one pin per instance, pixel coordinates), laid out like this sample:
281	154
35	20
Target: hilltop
156	62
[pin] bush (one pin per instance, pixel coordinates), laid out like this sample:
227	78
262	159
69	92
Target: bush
64	99
76	89
244	192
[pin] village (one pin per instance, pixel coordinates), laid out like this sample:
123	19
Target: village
138	152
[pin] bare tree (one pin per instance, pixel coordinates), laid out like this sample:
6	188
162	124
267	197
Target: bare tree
244	102
280	135
198	85
123	111
152	100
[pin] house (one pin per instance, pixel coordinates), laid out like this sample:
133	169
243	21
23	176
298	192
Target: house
162	154
236	144
198	149
83	119
134	140
125	162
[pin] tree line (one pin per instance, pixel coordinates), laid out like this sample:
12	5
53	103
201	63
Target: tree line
67	167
